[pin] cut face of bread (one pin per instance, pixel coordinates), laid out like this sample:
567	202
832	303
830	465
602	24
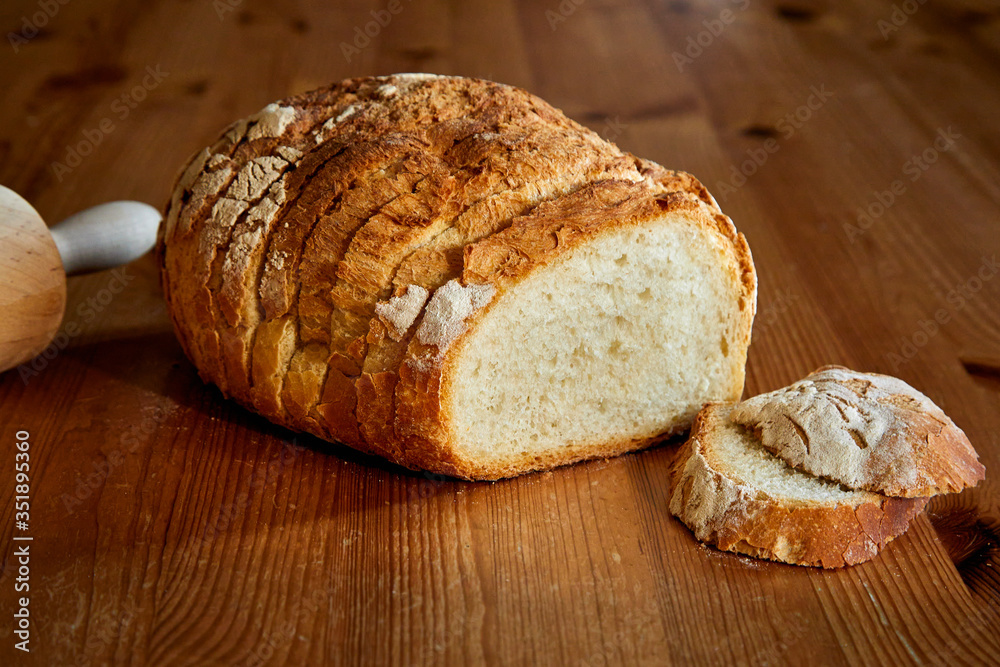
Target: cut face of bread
733	493
623	338
865	430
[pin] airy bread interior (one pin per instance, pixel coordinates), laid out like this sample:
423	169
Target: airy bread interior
624	337
736	453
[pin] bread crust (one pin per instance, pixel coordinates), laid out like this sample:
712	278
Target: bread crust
877	433
737	517
285	240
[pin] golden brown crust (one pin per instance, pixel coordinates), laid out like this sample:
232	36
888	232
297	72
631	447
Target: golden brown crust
735	516
285	238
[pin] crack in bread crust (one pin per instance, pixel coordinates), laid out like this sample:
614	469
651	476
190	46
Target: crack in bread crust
234	351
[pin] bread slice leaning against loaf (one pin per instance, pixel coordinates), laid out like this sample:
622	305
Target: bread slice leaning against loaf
733	493
450	273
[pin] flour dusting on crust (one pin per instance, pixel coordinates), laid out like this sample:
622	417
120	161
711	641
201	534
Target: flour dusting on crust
449	308
399	312
270	121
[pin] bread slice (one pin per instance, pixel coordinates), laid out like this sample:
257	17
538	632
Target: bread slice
865	430
450	273
733	493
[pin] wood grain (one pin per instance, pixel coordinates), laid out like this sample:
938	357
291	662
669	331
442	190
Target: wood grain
172	527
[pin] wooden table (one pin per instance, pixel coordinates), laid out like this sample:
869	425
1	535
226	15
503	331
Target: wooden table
856	146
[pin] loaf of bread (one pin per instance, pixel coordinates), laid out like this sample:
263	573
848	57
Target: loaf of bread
733	493
450	273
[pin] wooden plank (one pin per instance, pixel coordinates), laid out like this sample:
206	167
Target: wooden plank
173	527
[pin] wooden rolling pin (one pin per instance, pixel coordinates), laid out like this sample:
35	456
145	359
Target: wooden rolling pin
35	260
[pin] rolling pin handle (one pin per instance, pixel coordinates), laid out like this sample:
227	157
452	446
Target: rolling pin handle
106	236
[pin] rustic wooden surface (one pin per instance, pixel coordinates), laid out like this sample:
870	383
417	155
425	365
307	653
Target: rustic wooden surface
174	528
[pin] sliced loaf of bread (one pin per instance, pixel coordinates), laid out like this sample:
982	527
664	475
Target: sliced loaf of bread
733	493
452	274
